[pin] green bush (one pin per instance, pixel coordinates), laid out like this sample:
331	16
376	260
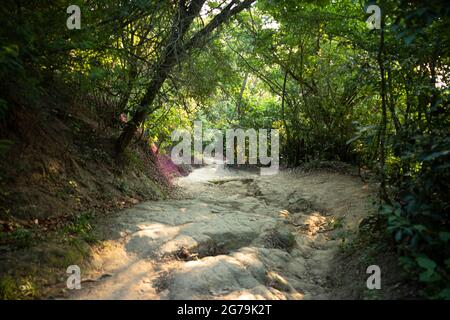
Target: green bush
20	238
81	226
419	217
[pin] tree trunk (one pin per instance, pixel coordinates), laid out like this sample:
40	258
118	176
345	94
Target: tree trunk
392	101
283	118
174	51
380	58
241	95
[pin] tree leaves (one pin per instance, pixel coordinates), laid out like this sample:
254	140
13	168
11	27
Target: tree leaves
426	263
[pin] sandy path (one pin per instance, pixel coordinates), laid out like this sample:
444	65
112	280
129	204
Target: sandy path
235	235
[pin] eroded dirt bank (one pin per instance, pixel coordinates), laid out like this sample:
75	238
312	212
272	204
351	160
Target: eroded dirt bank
233	235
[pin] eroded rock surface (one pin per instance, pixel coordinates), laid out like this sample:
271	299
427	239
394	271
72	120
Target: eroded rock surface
235	235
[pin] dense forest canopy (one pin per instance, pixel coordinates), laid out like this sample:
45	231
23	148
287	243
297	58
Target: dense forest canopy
335	89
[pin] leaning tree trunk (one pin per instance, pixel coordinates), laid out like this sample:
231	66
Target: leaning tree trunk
383	126
139	117
173	49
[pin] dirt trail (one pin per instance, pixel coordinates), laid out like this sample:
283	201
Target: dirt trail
235	235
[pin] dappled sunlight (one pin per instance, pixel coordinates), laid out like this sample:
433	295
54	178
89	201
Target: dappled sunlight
239	276
224	149
313	224
148	240
241	237
131	281
156	229
285	214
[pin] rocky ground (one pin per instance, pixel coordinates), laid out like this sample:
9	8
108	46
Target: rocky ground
232	234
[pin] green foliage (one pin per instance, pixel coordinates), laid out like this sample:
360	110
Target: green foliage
5	145
12	289
418	214
133	160
81	227
19	238
308	68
